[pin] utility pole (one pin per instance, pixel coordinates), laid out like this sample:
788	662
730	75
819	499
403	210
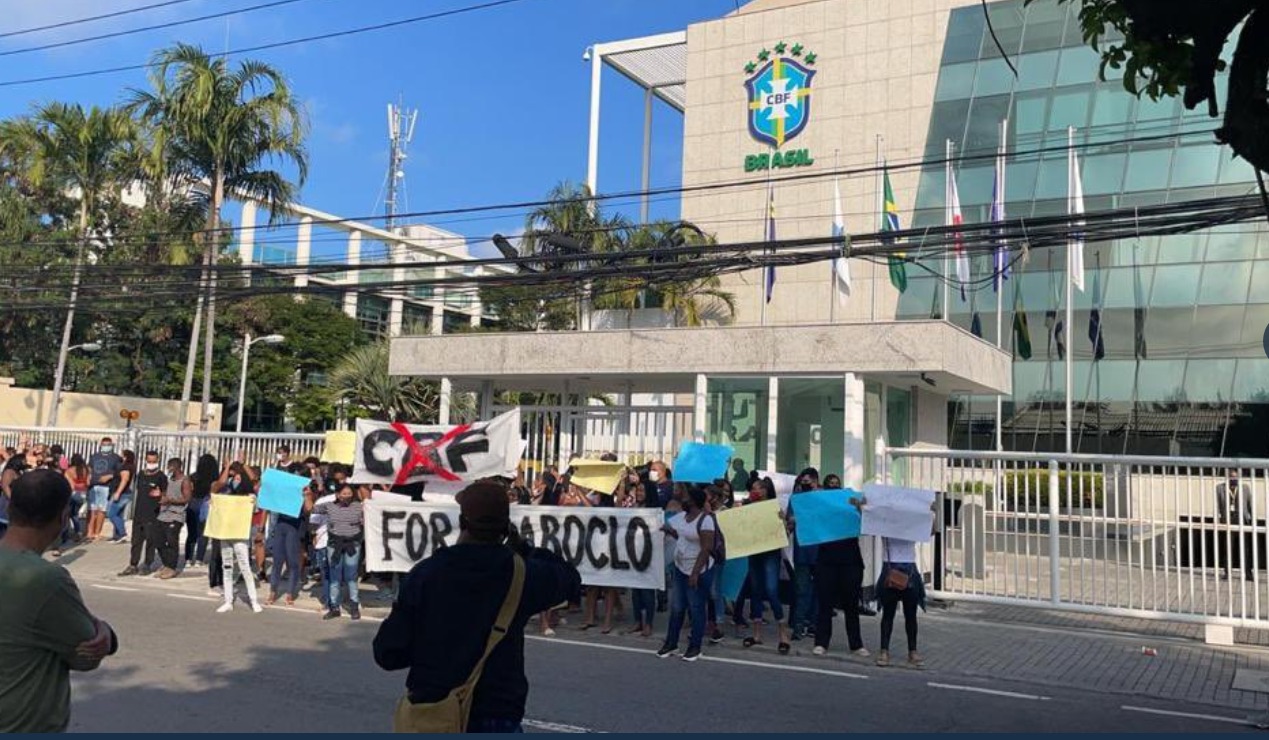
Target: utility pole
401	122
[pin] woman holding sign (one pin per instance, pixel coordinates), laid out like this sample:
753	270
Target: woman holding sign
235	481
764	579
900	583
694	534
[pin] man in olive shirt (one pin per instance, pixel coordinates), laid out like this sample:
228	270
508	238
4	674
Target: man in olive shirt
45	629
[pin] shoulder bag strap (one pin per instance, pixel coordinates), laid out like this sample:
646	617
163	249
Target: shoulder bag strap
502	622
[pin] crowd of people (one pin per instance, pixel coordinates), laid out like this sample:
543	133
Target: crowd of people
321	549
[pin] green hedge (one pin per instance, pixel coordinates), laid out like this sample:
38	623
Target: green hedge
1032	488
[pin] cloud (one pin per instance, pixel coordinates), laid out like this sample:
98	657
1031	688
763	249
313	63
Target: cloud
322	127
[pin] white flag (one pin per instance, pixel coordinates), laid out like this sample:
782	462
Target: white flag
841	266
1075	206
962	259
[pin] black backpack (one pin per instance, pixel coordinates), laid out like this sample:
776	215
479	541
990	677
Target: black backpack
719	553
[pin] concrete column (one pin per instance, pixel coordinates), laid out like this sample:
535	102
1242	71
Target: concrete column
353	259
438	304
592	149
303	249
247	233
486	399
396	307
773	420
477	308
853	437
443	407
699	412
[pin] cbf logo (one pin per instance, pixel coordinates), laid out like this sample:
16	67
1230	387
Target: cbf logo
779	90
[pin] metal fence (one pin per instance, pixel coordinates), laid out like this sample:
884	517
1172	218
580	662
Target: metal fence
82	441
1133	536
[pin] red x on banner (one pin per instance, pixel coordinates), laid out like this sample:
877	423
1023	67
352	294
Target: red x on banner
426	456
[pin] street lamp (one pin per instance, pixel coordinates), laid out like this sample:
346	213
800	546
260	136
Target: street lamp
247	341
57	382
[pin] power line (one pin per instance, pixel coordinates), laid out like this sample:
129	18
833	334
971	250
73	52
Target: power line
274	45
143	29
91	18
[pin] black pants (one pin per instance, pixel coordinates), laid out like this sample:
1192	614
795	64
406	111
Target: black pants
215	576
890	599
195	543
1237	550
838	584
169	542
146	533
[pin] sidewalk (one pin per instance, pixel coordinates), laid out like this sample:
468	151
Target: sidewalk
1006	647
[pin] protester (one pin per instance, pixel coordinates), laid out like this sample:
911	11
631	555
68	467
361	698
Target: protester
662	483
440	626
104	466
764	580
345	527
282	458
45	629
151	484
206	471
121	496
716	501
285	541
839	578
694	536
644	600
899	583
172	514
235	480
321	540
804	610
77	475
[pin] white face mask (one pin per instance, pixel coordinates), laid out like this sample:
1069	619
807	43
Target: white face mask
280	457
654	476
151	466
107	448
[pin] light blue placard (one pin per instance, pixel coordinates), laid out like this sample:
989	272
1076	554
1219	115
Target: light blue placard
701	463
825	516
282	492
734	574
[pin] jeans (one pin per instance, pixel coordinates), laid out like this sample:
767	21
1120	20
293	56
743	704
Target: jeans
717	602
237	551
73	527
169	542
343	569
98	498
687	598
838	584
804	601
195	542
764	585
114	512
645	605
286	551
322	563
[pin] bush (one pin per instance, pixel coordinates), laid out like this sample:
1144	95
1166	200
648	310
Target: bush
1087	489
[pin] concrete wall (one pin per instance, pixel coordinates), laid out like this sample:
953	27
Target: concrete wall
30	407
877	64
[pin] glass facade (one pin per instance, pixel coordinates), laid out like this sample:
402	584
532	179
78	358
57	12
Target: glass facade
1198	383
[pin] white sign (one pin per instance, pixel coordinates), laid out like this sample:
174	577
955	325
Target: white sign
397	454
622	548
900	513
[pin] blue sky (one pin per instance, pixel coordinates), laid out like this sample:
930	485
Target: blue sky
503	93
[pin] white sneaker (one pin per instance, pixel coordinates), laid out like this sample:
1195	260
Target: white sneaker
548	632
215	592
255	607
819	650
223	608
861	653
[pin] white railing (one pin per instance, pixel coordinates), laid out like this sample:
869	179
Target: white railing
1134	536
73	440
255	448
554	435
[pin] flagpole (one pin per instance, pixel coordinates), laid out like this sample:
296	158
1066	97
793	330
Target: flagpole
833	277
947	219
881	210
1000	278
1070	277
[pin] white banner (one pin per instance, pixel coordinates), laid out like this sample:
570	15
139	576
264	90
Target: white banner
397	454
622	548
901	513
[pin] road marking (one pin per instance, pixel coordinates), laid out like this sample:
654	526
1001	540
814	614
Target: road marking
1189	715
192	597
732	661
104	587
993	692
557	727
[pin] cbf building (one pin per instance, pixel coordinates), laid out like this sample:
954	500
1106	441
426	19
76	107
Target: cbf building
828	369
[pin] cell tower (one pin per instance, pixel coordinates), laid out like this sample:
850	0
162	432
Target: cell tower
401	122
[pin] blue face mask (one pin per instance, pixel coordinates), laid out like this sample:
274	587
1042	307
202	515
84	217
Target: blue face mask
107	449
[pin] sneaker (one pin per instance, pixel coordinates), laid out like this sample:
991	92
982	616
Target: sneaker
717	636
883	659
354	612
129	571
225	608
122	540
215	592
666	651
144	572
331	614
692	654
548	632
915	660
861	653
255	607
819	650
167	573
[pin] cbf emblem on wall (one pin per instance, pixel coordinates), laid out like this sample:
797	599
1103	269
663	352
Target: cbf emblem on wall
779	88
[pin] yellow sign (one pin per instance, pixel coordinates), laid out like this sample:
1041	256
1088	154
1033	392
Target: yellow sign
230	517
752	529
339	447
597	475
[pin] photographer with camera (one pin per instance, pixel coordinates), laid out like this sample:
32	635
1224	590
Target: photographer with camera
458	622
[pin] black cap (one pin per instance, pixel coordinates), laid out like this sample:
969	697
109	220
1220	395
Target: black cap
484	507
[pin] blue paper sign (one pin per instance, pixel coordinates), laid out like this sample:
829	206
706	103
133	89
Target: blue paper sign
825	516
701	463
734	574
282	492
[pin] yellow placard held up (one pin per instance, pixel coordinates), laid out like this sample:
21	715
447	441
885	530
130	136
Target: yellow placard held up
752	529
597	475
339	447
230	517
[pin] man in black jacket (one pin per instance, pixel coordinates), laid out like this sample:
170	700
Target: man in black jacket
150	485
448	603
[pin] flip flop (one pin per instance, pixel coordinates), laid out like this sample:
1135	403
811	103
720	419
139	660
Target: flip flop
783	648
750	642
585	627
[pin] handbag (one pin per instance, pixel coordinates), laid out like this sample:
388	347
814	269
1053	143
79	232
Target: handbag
451	713
896	579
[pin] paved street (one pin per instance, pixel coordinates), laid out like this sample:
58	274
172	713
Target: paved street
182	668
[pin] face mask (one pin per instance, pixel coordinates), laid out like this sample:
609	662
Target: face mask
654	476
107	448
279	456
151	466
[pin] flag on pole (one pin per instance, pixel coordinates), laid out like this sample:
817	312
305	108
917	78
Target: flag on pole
1021	331
841	266
976	325
771	237
1095	320
1075	207
890	222
1138	312
1000	259
958	220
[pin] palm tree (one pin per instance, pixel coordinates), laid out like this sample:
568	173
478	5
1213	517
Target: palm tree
77	151
224	127
361	380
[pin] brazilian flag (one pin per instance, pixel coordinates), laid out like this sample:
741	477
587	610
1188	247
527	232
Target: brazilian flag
890	222
1021	332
